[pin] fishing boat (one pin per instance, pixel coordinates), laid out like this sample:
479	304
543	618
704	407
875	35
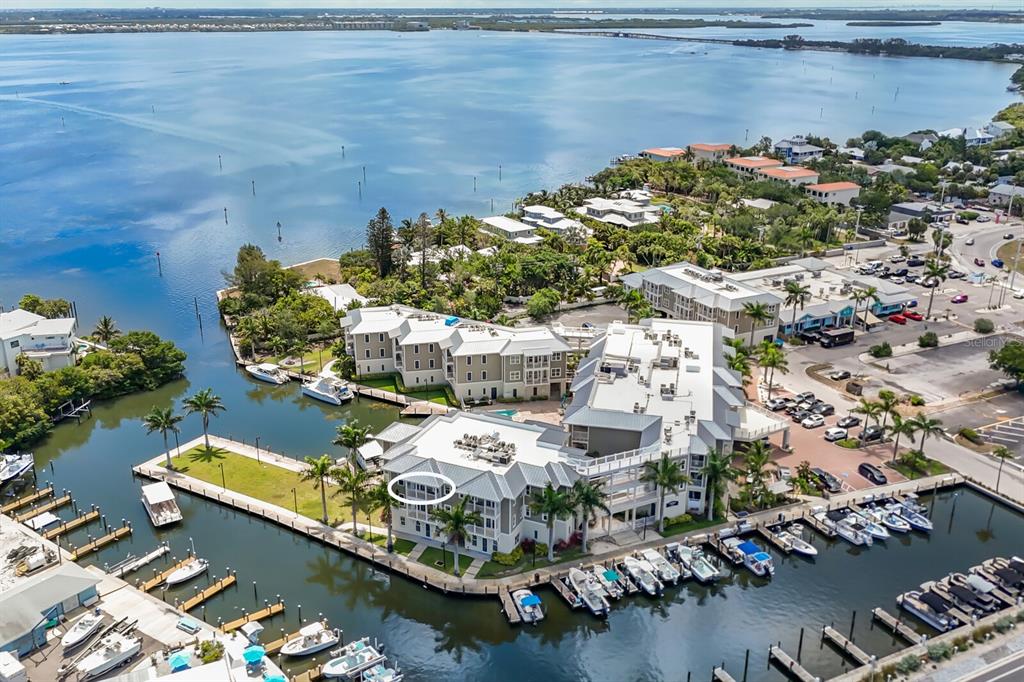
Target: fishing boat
382	673
610	580
890	520
852	532
757	561
590	591
114	650
697	563
642	576
797	544
665	571
926	607
312	638
328	390
13	466
528	605
191	570
160	504
352	659
81	630
270	373
875	530
916	519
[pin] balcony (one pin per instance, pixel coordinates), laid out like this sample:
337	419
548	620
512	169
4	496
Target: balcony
398	361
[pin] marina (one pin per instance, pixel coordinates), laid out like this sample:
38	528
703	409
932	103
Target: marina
101	542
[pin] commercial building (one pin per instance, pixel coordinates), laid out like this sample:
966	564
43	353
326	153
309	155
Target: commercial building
748	166
797	150
793	176
662	153
932	213
31	603
480	362
50	341
628	213
833	193
709	152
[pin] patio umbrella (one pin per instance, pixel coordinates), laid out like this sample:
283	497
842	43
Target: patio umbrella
254	654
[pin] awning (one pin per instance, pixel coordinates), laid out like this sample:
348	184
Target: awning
530	600
157	492
869	318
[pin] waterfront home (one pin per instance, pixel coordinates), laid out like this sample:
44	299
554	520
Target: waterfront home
549	219
510	229
747	166
709	152
855	153
1001	194
973	137
436	254
685	291
923	140
758	204
477	360
999	129
623	212
797	149
340	296
50	341
833	193
662	153
789	175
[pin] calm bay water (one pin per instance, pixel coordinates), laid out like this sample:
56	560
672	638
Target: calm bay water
99	174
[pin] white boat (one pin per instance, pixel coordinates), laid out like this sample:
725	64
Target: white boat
114	650
890	520
160	504
665	571
757	561
642	576
528	606
590	591
352	659
697	563
875	530
191	570
268	372
44	520
13	466
382	673
609	580
850	530
927	608
82	629
312	638
797	544
916	519
327	389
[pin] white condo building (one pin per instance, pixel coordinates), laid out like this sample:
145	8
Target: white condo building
50	341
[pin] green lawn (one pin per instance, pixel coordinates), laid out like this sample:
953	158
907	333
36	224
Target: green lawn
432	557
399	545
931	468
389	383
260	480
695	524
492	569
310	360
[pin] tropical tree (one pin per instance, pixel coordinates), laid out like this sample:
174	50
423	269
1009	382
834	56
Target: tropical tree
772	359
758	314
106	329
352	483
455	524
866	296
206	404
796	295
1002	453
352	436
164	420
756	462
318	470
901	427
870	409
927	427
717	472
379	497
555	504
740	363
887	402
933	269
668	476
587	499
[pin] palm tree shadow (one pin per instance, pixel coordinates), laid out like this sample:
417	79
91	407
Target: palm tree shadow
206	455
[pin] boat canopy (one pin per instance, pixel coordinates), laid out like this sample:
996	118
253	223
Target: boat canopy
267	367
451	321
530	600
312	630
1009	576
980	584
155	493
762	556
962	593
748	547
611	576
937	603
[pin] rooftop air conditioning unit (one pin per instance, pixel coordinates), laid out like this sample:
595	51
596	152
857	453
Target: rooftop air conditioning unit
816	274
799	276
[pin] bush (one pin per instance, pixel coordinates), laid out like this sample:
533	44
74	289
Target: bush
540	549
928	340
980	634
939	651
211	651
678	520
882	350
971	435
908	664
849	443
916	400
508	559
1003	624
984	325
968	215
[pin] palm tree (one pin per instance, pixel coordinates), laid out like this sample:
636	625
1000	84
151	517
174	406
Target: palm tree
352	436
771	357
934	269
758	314
164	420
927	427
455	522
887	402
318	470
379	497
756	460
796	295
740	363
668	476
106	329
587	499
352	483
870	409
901	427
717	472
857	297
1002	453
553	504
868	295
205	403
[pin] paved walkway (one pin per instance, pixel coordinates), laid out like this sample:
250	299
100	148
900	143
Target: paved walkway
417	551
474	568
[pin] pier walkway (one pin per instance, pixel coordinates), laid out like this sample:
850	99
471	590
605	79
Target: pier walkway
790	665
894	624
845	645
26	500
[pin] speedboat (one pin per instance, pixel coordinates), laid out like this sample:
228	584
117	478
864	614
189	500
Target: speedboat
13	466
312	638
191	570
81	630
382	673
697	563
757	561
910	501
852	532
160	504
114	650
327	389
528	606
663	569
642	576
590	591
890	520
797	544
268	372
609	580
352	659
875	530
916	519
928	608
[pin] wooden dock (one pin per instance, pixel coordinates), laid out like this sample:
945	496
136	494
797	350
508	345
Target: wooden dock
508	606
68	526
99	542
819	526
310	675
211	590
565	593
789	664
26	500
895	625
845	645
159	578
774	540
43	508
721	676
264	613
723	551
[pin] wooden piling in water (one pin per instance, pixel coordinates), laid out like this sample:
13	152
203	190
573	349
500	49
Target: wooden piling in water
68	526
17	504
101	542
42	509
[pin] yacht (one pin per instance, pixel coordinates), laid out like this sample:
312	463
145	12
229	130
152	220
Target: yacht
327	389
312	638
268	372
852	532
665	571
352	659
916	519
891	520
382	673
590	591
928	608
192	569
758	561
697	563
609	580
797	544
528	606
81	630
642	576
13	466
160	504
875	530
114	650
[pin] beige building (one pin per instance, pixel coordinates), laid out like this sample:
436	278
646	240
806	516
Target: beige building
748	166
833	193
789	175
709	152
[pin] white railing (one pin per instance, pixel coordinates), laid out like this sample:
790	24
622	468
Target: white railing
746	434
623	460
576	332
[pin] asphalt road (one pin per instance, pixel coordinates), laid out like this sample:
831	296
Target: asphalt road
1009	669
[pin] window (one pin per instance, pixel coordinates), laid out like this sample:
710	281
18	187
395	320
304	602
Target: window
366	338
430	348
382	352
483	375
483	359
515	360
431	363
472	540
416	348
527	511
489	523
367	351
556	372
469	376
417	526
416	365
469	360
380	337
694	495
556	356
401	520
512	376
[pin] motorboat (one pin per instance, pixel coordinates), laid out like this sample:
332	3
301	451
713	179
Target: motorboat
757	561
114	650
874	529
312	638
797	544
328	390
81	630
697	563
642	576
665	571
928	608
382	673
610	580
911	502
270	373
916	519
590	591
852	532
160	504
13	466
528	605
891	520
649	567
352	659
43	521
989	576
983	589
1010	579
192	569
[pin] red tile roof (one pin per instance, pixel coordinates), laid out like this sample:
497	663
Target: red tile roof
753	162
789	172
664	151
833	186
704	147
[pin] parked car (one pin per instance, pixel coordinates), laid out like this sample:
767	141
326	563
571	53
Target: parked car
839	375
959	298
826	481
962	221
809	336
848	422
997	262
834	433
800	415
955	274
912	279
872	473
1019	293
980	263
824	409
776	404
813	421
984	219
873	432
806	395
898	258
897	280
884	274
911	315
915	261
929	282
897	319
901	272
969	241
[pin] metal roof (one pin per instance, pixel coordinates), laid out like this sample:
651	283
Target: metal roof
22	607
